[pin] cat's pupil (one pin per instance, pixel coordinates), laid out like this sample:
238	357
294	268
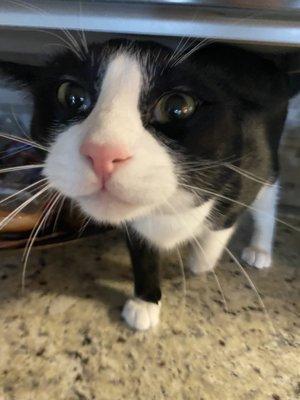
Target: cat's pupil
177	107
174	106
73	97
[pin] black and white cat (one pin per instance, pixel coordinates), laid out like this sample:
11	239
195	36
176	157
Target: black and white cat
173	149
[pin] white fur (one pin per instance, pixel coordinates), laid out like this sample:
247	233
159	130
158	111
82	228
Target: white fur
140	314
259	253
146	181
208	249
173	228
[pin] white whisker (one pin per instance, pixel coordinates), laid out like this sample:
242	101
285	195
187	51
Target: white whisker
71	43
203	43
203	252
20	168
184	291
254	289
19	124
23	190
9	217
239	203
127	231
33	236
58	213
84	226
22	140
10	154
221	290
247	174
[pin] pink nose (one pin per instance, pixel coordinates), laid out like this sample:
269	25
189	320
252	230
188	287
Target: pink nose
106	159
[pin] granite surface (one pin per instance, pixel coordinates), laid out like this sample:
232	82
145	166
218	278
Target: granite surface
63	339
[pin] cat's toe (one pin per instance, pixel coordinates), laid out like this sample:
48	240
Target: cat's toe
198	266
140	314
257	257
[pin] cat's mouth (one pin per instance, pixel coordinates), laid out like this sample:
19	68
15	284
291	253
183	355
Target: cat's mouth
105	195
109	207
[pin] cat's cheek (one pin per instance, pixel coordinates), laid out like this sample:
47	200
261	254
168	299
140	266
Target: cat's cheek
65	169
69	183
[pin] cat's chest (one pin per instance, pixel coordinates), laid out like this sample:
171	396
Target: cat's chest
169	230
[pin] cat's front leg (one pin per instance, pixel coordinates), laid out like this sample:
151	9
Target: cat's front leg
142	311
207	249
259	253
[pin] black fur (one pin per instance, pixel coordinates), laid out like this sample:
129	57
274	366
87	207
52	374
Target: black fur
145	263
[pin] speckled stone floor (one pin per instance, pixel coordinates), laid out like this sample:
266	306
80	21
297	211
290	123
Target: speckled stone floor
64	338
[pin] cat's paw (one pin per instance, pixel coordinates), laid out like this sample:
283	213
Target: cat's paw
198	265
140	314
257	257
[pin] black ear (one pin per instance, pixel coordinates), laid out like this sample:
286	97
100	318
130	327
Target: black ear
23	74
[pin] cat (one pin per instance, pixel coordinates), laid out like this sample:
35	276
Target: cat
172	149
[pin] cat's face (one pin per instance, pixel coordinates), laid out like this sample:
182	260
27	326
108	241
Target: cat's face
123	124
116	126
109	161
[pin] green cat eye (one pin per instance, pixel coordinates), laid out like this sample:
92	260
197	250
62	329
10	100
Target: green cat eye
174	106
73	96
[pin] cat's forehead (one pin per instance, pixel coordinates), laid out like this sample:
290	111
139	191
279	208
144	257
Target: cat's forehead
150	58
122	80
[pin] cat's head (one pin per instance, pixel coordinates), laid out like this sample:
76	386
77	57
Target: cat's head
128	124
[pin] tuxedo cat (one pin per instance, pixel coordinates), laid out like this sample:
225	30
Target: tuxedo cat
173	149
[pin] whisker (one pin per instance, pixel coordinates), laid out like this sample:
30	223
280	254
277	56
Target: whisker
10	154
207	41
240	203
58	213
20	168
203	43
33	236
66	43
205	257
220	290
47	204
23	190
244	272
262	304
71	44
184	291
9	217
127	231
210	163
84	226
179	50
247	174
22	140
83	35
214	273
19	124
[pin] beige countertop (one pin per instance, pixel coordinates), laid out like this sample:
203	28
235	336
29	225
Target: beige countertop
64	338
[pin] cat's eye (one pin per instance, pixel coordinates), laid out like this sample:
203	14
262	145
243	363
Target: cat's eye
74	97
174	106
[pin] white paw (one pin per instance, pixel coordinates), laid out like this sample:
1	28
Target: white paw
140	314
198	265
257	257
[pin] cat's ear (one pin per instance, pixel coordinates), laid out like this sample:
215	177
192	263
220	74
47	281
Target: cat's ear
23	74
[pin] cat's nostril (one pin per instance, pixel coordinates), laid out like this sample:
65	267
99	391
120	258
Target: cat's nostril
118	160
90	159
